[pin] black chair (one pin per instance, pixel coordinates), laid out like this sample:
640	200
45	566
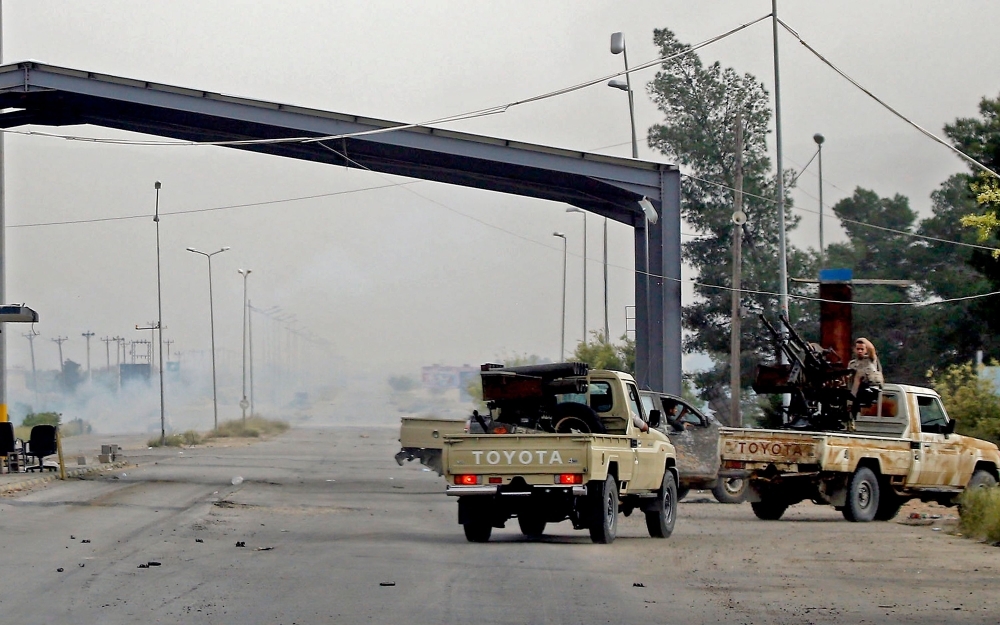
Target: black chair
9	443
41	443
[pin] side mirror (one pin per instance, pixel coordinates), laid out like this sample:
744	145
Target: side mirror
950	427
654	418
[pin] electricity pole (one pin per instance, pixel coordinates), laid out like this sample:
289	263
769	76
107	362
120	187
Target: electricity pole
107	348
60	340
250	340
34	373
168	343
739	218
87	336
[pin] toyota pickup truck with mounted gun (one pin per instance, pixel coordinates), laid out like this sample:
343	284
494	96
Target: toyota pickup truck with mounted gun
559	442
900	445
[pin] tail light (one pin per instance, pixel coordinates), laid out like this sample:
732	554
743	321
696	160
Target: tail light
466	480
569	478
733	464
499	430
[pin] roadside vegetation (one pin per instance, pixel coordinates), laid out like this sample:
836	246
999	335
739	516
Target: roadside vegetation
980	514
74	427
256	427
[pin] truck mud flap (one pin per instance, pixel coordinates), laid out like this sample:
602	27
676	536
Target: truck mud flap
430	458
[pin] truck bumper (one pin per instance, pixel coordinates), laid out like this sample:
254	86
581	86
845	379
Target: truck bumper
460	491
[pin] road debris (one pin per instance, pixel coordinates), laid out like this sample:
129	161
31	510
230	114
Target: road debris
153	563
265	549
142	566
237	480
199	540
85	540
241	543
380	583
638	585
59	570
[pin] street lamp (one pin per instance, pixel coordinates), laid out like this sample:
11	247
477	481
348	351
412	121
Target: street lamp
244	404
211	312
159	322
818	138
618	47
584	213
562	332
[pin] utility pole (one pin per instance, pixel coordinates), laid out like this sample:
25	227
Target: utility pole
168	343
607	330
87	336
107	348
34	373
152	326
779	182
60	340
739	218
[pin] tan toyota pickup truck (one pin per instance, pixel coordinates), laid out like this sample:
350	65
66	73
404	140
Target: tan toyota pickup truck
560	442
903	447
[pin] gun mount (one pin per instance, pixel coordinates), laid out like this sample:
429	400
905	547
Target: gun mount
815	377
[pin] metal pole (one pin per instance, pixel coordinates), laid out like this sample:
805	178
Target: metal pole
159	309
211	313
34	372
562	332
607	331
818	138
780	183
3	260
631	103
585	277
735	414
243	402
250	340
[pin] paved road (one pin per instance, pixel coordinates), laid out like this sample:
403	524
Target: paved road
327	518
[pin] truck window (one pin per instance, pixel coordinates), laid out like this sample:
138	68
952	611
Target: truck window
889	405
647	403
600	397
633	401
931	413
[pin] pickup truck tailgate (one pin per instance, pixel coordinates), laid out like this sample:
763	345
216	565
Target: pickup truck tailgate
516	454
770	446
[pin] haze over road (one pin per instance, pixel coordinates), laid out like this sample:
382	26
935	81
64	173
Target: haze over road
343	519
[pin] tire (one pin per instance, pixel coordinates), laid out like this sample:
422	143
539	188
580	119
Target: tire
888	505
769	509
682	492
603	510
981	479
730	490
572	417
478	532
531	525
660	522
862	496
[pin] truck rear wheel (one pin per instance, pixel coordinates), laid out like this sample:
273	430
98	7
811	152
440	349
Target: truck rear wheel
603	510
730	490
769	509
478	531
981	479
660	521
862	496
531	525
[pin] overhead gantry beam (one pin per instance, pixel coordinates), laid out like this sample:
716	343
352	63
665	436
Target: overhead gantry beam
36	94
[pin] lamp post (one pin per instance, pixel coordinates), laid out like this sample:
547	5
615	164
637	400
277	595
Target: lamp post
211	313
244	404
562	331
584	213
818	138
159	313
618	47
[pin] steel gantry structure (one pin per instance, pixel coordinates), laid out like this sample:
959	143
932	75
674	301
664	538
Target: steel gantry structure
36	94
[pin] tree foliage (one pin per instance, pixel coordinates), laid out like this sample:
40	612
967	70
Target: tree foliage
700	104
600	353
970	399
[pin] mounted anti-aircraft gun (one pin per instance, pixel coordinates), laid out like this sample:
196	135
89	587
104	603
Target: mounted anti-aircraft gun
816	379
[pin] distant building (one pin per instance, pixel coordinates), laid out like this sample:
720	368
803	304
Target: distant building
992	374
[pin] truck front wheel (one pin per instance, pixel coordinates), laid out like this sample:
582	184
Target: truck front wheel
603	510
862	496
660	521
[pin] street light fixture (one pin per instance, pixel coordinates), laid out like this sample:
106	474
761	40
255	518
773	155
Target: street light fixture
584	213
818	138
562	332
244	404
211	312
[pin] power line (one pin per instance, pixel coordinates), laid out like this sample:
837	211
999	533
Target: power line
920	128
492	110
213	208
